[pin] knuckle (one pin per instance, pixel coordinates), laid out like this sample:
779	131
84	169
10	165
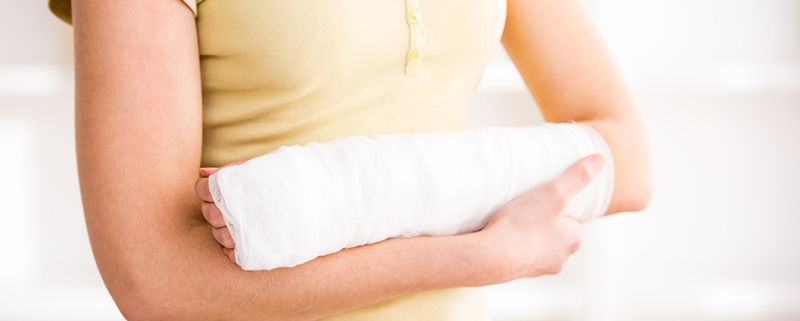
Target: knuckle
226	236
555	194
584	175
218	235
198	186
550	188
201	189
574	247
579	237
560	199
213	214
217	220
575	239
556	268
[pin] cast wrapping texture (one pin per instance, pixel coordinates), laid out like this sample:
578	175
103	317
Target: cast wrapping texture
301	202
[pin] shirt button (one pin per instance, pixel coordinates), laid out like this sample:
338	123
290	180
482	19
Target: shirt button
413	18
413	56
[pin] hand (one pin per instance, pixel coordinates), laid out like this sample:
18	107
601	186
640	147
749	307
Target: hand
212	213
528	236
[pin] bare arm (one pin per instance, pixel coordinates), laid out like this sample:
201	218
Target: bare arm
138	120
572	75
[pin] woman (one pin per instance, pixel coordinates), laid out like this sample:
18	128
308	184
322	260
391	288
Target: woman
164	87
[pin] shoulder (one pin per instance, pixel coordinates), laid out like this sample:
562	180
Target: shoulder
63	8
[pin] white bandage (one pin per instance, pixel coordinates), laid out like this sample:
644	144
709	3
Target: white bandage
297	203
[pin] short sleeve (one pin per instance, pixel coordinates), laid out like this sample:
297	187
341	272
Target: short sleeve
63	8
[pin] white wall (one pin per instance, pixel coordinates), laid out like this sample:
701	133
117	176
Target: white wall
719	89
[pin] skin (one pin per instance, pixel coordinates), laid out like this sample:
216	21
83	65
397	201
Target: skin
139	128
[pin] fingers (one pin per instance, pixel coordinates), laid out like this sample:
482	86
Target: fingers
230	254
223	236
212	214
562	189
580	174
202	191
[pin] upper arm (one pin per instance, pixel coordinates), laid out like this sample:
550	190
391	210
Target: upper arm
138	130
572	75
564	61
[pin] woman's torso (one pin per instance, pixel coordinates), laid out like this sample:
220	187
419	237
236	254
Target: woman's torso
290	72
280	73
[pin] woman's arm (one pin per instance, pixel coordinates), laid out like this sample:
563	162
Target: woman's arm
138	120
572	75
138	131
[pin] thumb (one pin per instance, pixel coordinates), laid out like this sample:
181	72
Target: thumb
562	189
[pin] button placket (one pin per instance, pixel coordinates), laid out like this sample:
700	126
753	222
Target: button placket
416	38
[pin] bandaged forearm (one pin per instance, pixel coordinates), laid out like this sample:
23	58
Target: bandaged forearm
300	202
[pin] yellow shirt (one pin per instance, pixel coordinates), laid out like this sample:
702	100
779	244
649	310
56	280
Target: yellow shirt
290	72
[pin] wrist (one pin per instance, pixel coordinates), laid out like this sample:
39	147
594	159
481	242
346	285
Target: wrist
486	259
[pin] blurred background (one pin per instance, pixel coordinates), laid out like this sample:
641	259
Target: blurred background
718	84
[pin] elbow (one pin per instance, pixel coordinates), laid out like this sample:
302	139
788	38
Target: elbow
155	298
139	305
136	310
633	196
642	181
634	171
643	196
634	183
637	188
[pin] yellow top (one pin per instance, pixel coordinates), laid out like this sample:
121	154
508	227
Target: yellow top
280	73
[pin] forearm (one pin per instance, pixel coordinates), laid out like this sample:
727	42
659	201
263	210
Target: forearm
160	262
187	277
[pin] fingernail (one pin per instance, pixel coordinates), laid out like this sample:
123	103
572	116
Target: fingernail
598	160
203	171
